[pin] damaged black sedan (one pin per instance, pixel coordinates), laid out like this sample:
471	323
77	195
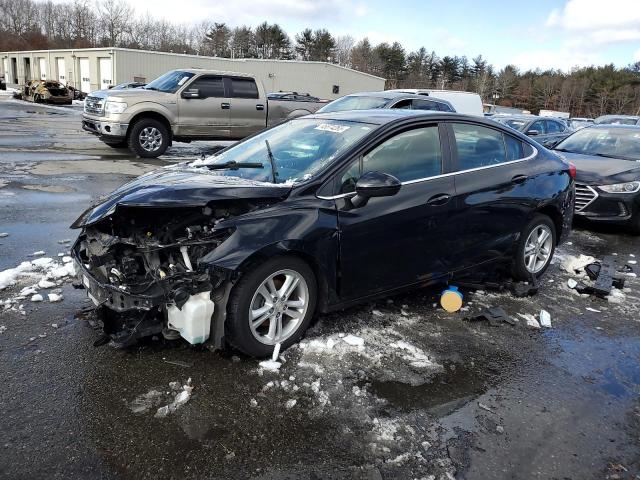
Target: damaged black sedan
316	214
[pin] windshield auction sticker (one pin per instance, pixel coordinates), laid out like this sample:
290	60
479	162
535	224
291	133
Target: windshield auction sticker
327	127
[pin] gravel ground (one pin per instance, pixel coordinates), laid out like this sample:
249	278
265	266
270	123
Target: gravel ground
393	389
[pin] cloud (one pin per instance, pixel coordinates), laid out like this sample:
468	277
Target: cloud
596	14
598	22
636	56
449	41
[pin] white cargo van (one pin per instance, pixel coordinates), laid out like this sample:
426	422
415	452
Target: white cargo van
464	102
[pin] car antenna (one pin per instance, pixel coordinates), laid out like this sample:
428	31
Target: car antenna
274	170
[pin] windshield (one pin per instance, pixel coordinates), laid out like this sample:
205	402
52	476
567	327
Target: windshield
513	123
354	102
170	81
299	149
609	142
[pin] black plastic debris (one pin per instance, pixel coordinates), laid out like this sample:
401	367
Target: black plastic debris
495	316
604	276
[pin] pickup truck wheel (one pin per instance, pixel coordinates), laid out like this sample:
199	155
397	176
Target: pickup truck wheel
535	248
149	138
273	303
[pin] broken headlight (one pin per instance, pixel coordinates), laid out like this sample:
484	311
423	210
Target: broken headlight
628	187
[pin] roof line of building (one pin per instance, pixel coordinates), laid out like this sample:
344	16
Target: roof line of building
190	56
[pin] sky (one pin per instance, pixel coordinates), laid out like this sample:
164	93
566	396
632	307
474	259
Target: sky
558	34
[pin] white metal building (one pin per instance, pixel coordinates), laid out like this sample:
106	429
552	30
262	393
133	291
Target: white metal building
96	68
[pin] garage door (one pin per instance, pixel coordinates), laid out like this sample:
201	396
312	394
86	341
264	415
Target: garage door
85	79
61	71
43	69
104	66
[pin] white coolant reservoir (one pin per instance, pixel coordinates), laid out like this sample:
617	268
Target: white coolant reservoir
194	320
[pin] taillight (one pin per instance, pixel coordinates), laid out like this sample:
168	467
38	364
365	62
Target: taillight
572	170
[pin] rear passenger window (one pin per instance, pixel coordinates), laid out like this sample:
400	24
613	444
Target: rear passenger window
209	87
443	107
244	88
515	148
410	155
478	146
424	105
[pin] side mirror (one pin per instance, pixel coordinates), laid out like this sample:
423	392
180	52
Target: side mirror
191	93
533	133
375	184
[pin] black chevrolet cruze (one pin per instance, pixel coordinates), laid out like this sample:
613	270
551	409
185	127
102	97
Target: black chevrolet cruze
316	214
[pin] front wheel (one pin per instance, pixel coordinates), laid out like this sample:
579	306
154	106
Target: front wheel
149	138
535	248
273	303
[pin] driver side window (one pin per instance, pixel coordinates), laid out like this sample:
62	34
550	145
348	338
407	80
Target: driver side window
410	155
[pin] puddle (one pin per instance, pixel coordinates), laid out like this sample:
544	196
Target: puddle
445	392
585	353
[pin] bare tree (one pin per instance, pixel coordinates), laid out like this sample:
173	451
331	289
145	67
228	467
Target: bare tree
115	16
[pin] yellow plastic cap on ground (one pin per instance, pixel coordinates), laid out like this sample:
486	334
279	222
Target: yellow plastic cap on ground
451	301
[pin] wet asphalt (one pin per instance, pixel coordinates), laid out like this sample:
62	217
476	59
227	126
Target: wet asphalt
428	395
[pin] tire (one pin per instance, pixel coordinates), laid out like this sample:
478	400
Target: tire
156	134
246	297
536	267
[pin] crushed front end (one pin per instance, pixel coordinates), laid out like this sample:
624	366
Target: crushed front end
142	267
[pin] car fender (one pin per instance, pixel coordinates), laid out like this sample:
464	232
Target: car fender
152	107
308	232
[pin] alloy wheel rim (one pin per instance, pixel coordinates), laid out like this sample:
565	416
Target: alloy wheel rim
537	248
278	307
150	139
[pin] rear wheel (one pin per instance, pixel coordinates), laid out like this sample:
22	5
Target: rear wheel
273	303
149	138
535	248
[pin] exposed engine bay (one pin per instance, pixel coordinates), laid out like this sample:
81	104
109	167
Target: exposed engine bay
143	269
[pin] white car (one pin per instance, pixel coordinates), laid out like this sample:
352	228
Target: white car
468	103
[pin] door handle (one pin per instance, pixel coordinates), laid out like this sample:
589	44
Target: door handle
439	200
519	179
225	106
259	107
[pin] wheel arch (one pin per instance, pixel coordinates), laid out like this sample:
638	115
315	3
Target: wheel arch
294	250
556	217
153	115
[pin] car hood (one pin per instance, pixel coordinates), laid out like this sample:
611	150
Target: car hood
595	170
180	186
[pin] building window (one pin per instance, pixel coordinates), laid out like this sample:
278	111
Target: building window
336	89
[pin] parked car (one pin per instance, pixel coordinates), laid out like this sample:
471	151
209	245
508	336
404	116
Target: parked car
127	86
316	214
47	91
576	123
607	158
618	119
185	105
385	99
546	131
298	97
469	103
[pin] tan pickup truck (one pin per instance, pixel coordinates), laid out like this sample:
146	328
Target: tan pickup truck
186	105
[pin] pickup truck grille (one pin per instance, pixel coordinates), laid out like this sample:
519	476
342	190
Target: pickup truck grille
584	196
94	105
